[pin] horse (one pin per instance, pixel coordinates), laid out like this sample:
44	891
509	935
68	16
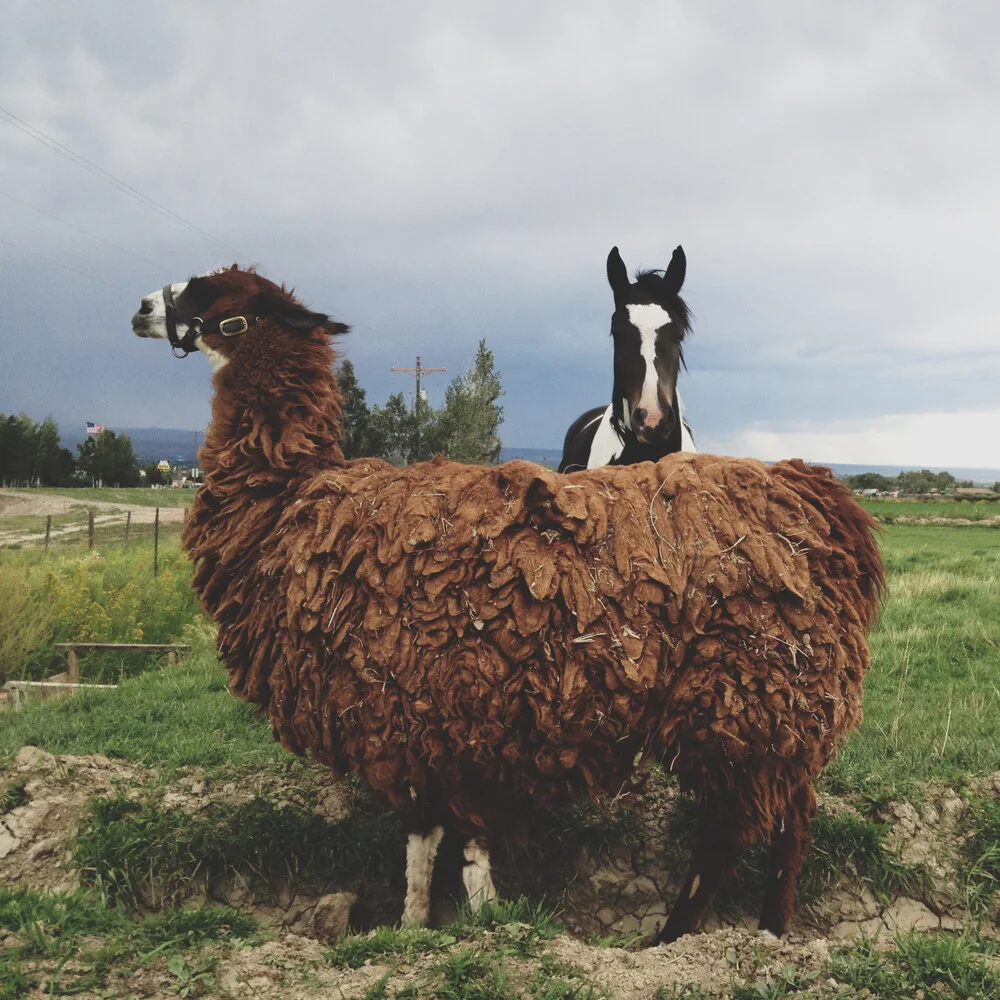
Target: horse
645	420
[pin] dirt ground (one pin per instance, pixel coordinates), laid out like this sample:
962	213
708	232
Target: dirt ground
14	503
624	894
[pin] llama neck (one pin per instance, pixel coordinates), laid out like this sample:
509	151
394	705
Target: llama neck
276	412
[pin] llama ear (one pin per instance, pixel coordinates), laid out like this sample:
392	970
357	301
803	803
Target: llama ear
674	278
617	273
292	314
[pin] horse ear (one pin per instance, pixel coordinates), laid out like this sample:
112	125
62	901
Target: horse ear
674	277
293	315
617	273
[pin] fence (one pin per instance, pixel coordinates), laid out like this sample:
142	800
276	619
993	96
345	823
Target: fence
92	528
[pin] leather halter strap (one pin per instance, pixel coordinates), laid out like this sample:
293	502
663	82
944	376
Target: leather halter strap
231	326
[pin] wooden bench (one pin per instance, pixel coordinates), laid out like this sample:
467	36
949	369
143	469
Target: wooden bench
20	690
73	659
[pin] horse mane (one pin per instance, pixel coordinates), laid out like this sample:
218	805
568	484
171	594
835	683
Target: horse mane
653	283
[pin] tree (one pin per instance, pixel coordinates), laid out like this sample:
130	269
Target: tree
17	449
32	453
393	430
107	459
870	481
356	422
53	463
468	427
154	475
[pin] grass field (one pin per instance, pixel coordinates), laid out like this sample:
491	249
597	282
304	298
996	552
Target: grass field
932	711
140	496
932	697
969	510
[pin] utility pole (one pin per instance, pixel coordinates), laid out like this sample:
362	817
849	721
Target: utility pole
418	371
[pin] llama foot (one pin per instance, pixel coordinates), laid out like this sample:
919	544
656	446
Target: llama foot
476	875
420	852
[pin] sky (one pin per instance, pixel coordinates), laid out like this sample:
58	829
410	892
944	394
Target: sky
437	173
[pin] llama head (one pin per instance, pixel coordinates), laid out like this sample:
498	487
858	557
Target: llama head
212	313
648	326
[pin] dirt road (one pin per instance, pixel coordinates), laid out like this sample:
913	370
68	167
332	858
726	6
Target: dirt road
15	503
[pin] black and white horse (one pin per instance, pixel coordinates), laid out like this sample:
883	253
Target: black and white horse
645	420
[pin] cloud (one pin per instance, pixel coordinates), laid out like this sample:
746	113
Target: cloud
441	172
961	440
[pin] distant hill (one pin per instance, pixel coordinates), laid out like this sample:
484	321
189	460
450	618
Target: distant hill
181	447
150	444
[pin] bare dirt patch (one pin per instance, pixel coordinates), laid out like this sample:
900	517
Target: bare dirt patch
622	894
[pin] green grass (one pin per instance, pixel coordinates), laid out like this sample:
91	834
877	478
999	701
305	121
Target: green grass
138	495
138	852
938	965
100	596
75	942
482	956
980	856
970	510
169	718
932	696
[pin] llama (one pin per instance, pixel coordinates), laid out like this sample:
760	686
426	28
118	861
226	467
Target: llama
475	641
645	419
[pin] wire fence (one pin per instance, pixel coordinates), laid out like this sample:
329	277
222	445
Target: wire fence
94	528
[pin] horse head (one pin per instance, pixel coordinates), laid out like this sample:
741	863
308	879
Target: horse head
648	327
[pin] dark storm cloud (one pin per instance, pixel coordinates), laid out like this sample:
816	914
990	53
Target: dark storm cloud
442	172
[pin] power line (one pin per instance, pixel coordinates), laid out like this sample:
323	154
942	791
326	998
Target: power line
65	267
81	161
79	229
418	371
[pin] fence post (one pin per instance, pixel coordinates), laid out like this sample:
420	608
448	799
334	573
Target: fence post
48	531
90	528
156	542
128	524
73	661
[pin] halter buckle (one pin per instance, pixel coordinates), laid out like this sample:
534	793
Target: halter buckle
227	331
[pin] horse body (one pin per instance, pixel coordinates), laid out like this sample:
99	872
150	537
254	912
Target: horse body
645	420
592	441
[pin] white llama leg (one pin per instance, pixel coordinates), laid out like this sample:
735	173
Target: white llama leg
420	852
476	874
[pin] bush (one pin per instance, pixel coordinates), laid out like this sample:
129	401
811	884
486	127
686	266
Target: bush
25	626
96	597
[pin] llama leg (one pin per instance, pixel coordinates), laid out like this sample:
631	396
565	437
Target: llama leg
420	851
476	874
787	854
712	866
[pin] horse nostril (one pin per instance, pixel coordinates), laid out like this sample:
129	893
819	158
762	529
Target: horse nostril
146	307
638	416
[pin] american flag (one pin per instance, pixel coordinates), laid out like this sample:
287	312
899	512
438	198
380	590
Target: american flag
95	428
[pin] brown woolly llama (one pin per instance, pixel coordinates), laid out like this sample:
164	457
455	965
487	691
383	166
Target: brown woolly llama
476	641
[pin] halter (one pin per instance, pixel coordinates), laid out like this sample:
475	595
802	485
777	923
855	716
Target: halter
196	326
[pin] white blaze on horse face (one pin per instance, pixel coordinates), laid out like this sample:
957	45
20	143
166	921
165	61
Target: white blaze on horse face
420	853
647	318
151	319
